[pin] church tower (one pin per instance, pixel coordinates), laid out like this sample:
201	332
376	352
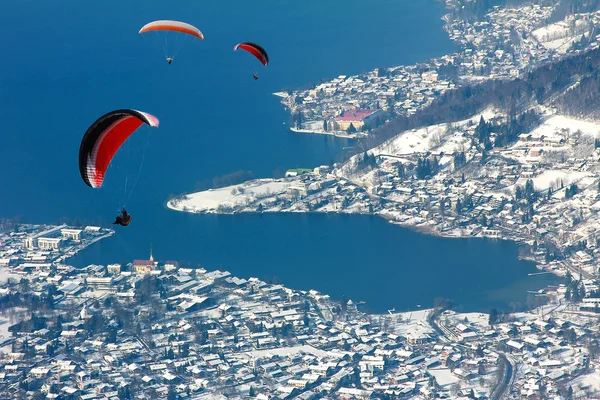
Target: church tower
151	257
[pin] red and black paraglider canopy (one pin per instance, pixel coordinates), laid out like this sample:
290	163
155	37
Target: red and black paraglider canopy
254	49
102	140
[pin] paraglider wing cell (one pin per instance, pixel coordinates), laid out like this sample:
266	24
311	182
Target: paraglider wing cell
176	26
254	49
104	138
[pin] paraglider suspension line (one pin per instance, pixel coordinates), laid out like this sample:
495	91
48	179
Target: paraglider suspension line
136	178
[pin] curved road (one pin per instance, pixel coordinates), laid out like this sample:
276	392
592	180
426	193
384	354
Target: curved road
507	364
507	378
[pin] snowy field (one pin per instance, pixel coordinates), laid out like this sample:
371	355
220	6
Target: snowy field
5	275
559	125
560	35
552	179
478	319
435	137
210	200
4	333
406	323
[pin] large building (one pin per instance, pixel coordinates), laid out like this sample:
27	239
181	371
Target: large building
144	266
49	243
100	283
32	241
356	118
73	234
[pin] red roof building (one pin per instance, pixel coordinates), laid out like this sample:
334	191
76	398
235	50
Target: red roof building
143	266
358	118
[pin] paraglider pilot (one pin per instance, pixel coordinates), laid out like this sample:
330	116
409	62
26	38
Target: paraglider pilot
169	60
124	219
255	76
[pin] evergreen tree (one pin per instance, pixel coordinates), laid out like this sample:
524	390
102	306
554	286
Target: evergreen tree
252	392
479	351
434	165
493	318
458	206
351	128
325	125
518	193
401	171
172	394
185	350
481	369
483	220
570	393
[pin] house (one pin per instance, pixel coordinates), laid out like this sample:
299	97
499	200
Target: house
353	393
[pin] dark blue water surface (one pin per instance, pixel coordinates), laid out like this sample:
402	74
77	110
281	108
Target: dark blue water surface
66	62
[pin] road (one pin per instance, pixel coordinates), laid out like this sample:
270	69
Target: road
507	378
506	362
432	320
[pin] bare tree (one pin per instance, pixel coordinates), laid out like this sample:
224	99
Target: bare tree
554	156
436	139
584	147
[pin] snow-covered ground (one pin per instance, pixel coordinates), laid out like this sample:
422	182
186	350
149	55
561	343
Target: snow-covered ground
560	35
210	200
5	275
552	179
591	382
4	333
407	323
558	125
286	351
444	377
479	319
435	137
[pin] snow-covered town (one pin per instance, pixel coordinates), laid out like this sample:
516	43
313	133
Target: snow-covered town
152	329
161	329
542	191
504	44
530	176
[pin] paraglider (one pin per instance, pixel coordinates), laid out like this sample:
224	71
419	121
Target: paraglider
101	142
256	50
167	26
124	219
175	26
104	137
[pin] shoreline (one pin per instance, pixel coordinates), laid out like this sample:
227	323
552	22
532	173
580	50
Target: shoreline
419	228
341	135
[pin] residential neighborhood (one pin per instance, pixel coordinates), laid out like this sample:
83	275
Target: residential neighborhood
506	43
153	329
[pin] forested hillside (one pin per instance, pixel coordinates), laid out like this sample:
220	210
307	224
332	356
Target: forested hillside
546	84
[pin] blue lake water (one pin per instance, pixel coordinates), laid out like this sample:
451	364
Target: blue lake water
67	62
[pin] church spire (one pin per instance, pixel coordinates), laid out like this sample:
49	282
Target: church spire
151	257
